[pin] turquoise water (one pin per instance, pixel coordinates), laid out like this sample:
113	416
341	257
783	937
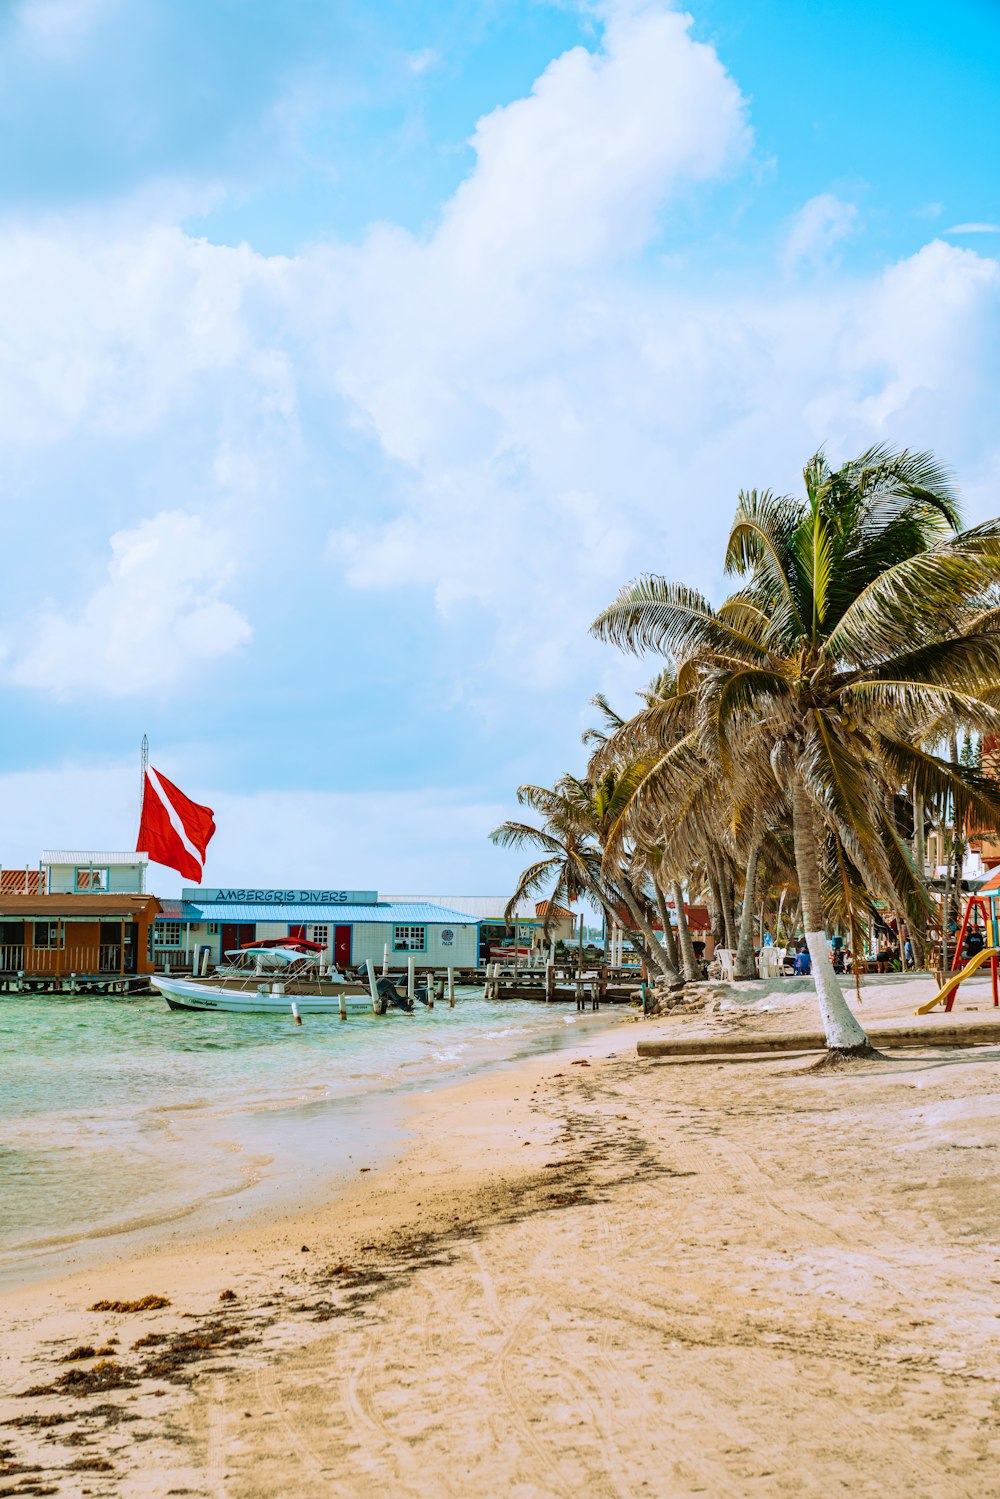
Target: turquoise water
118	1116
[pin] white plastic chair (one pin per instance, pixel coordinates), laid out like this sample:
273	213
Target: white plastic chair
769	962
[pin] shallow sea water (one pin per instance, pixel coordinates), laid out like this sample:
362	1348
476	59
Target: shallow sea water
117	1116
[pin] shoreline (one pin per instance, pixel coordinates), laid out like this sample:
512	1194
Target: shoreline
286	1155
614	1278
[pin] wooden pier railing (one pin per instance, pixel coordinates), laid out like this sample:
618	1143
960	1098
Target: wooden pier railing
90	958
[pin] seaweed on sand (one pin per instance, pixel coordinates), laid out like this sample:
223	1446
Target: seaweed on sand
107	1374
143	1304
187	1347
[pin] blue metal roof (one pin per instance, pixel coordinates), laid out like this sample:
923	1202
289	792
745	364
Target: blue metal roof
401	912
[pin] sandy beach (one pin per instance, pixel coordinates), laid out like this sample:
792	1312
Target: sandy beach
589	1274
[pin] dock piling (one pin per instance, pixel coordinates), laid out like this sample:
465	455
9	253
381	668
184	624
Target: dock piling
372	985
451	988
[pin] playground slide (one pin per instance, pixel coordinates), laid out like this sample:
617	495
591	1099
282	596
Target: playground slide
956	978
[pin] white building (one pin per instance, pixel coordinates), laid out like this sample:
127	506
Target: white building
352	925
100	873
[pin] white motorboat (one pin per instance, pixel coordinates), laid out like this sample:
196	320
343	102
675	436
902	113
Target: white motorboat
262	999
263	978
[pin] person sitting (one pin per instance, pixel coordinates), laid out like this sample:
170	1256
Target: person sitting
803	964
974	943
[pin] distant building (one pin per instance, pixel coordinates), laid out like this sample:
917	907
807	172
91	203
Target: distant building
352	925
494	928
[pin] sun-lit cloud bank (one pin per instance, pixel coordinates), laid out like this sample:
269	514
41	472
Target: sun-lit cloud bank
542	394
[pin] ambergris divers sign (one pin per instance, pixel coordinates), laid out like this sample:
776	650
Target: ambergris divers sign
275	897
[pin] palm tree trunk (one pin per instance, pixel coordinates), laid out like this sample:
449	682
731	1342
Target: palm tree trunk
715	906
726	901
843	1033
655	955
722	887
918	926
669	940
777	919
614	919
691	970
746	966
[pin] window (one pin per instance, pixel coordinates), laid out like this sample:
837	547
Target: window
91	879
168	934
409	938
212	930
47	934
321	934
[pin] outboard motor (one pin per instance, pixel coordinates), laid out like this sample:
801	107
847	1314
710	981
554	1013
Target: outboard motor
388	995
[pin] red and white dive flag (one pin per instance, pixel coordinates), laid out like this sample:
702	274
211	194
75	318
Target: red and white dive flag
173	830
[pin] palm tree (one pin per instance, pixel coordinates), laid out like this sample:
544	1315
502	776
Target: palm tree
860	606
572	862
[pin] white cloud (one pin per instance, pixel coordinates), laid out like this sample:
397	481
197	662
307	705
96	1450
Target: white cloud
111	332
816	229
158	614
973	229
579	170
534	420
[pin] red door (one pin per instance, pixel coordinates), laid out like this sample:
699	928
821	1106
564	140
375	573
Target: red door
298	933
342	946
236	934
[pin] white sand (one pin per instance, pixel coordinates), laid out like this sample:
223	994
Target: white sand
625	1279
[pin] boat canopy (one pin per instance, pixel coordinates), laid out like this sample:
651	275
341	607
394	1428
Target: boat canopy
299	943
260	958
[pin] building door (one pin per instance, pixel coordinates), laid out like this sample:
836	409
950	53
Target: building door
130	962
236	934
11	946
297	933
342	946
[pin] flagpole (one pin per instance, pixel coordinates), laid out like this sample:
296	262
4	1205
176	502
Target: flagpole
144	762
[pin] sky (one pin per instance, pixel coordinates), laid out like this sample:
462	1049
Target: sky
353	356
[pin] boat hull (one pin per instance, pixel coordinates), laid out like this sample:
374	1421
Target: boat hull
186	994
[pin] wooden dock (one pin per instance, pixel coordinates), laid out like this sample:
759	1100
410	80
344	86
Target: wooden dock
553	983
107	985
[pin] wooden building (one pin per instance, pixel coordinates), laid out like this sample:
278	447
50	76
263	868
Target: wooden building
56	935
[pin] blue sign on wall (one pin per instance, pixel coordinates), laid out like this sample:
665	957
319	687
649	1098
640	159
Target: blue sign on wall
244	896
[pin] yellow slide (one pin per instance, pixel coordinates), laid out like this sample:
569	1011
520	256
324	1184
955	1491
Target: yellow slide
956	978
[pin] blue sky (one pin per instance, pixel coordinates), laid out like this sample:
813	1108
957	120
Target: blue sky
353	356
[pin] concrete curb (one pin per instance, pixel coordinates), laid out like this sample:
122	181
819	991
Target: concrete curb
982	1034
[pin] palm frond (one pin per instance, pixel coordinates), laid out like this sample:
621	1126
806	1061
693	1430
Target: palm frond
651	614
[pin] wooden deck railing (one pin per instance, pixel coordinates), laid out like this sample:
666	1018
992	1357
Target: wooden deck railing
106	958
